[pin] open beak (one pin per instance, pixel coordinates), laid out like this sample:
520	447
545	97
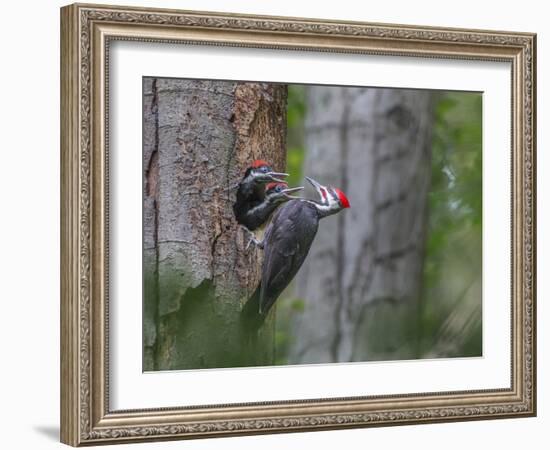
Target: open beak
318	187
274	175
291	190
313	183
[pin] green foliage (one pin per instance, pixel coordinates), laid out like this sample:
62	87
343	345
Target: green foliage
452	265
296	105
287	306
294	163
298	305
296	111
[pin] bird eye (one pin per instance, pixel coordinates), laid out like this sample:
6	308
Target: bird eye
279	188
264	169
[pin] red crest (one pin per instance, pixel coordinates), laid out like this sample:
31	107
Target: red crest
343	199
259	163
273	185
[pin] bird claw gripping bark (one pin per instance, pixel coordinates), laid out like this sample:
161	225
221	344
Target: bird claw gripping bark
252	239
256	242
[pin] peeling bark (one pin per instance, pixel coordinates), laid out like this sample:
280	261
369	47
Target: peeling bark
361	282
199	136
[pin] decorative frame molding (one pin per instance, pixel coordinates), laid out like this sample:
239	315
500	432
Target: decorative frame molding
86	31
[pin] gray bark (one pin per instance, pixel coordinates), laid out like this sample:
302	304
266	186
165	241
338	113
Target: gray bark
199	136
361	282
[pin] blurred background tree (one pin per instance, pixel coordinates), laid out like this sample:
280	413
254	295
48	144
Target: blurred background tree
429	306
362	280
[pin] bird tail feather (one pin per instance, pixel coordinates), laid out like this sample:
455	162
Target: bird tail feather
251	319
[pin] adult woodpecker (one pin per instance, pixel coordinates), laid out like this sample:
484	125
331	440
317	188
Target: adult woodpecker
286	244
250	208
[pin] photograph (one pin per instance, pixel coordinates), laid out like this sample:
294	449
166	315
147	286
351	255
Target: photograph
290	224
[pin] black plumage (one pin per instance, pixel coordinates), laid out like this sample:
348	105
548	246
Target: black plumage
250	195
286	245
252	207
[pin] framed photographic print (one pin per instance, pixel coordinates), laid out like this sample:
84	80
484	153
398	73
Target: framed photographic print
275	224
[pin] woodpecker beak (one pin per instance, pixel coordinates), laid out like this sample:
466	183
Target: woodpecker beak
290	190
317	187
314	183
274	175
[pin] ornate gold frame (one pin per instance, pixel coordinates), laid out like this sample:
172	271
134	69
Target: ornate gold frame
86	31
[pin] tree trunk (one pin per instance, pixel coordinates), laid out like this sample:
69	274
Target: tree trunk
199	136
362	280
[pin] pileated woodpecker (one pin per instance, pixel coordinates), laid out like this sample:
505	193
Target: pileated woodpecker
250	208
286	244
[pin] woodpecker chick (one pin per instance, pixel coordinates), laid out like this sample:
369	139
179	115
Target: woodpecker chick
251	194
287	242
